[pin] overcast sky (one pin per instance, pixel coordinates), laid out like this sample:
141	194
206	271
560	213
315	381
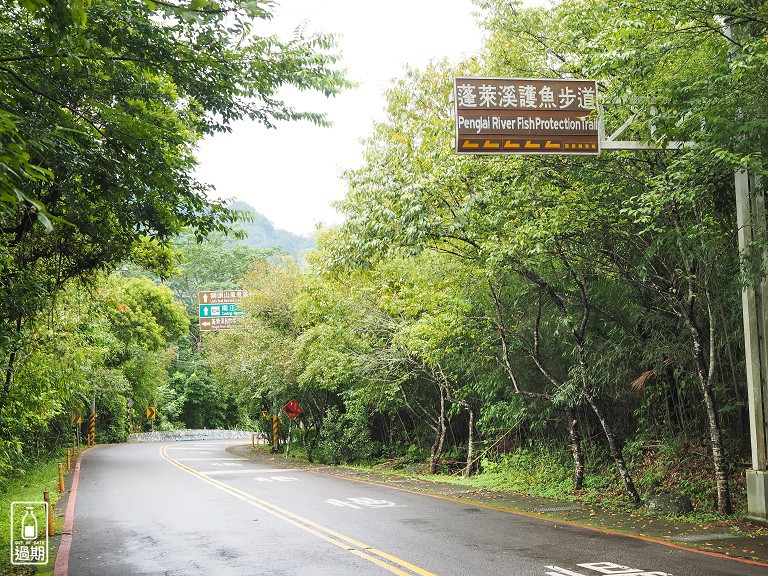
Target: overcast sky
292	174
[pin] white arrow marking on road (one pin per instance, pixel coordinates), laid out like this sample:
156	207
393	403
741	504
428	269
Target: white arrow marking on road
209	459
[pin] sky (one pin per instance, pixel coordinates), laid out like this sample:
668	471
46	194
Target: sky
292	174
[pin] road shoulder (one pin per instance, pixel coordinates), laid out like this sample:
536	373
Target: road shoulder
703	538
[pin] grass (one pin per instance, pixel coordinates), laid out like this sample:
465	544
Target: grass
28	487
545	471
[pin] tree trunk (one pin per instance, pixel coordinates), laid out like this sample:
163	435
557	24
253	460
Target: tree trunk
615	450
437	447
705	372
576	450
718	456
8	380
470	443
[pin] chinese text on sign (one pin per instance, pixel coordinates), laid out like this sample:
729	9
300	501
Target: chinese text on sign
525	116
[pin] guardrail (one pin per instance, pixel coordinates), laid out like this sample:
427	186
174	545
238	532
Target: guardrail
171	435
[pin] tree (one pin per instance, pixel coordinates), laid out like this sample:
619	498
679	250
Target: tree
582	233
102	106
689	77
255	361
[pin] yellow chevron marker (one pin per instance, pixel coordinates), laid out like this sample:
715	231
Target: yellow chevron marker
529	144
551	144
489	144
470	144
510	144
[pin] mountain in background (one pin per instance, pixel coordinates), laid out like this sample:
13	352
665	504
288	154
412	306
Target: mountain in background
261	233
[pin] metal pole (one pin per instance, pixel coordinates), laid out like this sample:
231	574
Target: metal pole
750	214
288	445
750	217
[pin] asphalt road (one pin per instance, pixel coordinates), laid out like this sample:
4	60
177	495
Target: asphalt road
191	508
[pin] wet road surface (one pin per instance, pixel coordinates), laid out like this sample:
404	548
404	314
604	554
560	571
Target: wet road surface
189	508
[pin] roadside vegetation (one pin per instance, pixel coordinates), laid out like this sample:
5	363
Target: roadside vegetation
565	326
28	487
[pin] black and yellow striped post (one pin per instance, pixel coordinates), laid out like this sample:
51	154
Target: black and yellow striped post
275	436
91	429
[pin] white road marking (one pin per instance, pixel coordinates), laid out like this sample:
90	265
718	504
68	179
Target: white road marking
603	568
363	502
276	479
209	459
251	471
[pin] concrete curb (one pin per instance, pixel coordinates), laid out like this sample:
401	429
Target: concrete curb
61	567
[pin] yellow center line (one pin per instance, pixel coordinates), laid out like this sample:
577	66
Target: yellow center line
393	564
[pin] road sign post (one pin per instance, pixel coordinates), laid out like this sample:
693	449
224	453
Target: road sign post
288	444
151	415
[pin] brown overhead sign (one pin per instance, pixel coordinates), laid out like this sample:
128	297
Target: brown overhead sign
526	116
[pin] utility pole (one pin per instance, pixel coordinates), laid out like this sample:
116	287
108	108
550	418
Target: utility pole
750	214
750	220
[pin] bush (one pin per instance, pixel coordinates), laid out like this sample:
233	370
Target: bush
533	470
345	438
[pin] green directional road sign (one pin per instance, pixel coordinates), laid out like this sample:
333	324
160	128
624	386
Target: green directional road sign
219	310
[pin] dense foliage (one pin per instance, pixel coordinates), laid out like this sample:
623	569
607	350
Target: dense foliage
473	313
591	304
101	106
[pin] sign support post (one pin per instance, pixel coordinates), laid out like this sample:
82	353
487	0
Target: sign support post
750	217
288	444
750	214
